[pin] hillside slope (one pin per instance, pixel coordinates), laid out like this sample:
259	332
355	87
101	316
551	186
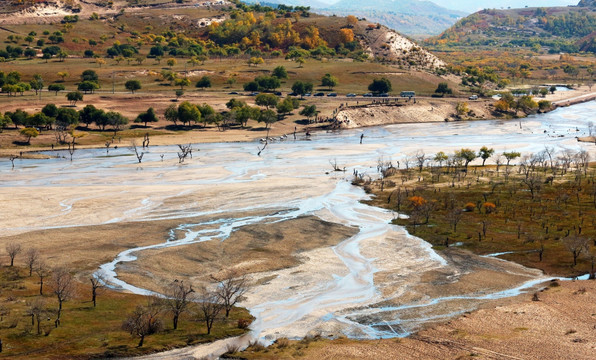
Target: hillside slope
552	30
416	18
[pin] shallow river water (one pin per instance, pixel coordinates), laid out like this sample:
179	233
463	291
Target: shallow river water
334	289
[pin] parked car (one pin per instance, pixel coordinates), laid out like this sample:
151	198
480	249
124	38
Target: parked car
292	94
332	94
473	97
233	93
383	95
277	93
254	93
307	94
319	94
368	95
351	95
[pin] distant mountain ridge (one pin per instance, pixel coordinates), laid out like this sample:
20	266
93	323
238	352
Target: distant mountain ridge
416	18
554	29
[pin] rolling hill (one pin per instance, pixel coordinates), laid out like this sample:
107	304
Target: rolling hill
414	18
552	29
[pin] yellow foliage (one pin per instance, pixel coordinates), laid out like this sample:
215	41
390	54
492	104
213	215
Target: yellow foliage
346	35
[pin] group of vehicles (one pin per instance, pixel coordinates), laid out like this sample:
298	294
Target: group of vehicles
403	94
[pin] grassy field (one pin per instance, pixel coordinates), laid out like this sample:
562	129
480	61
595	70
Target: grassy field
539	230
88	332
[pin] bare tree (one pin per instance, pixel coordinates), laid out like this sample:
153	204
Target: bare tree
185	150
210	305
12	159
576	245
231	286
534	183
454	217
98	280
63	287
13	249
178	298
31	257
420	159
143	321
139	156
37	311
42	270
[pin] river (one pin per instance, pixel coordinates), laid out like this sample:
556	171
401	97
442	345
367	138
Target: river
334	289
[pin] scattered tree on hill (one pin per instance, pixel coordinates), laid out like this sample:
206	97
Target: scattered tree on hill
42	271
302	87
382	85
309	111
144	321
147	117
182	82
36	83
89	75
268	117
231	286
63	75
171	114
133	85
97	284
74	97
266	100
171	62
485	153
188	113
346	35
13	249
467	155
88	86
287	105
280	72
329	81
63	288
177	300
204	82
29	133
511	155
56	88
443	88
210	305
31	258
576	245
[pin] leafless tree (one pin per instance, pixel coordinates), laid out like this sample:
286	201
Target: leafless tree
139	156
31	257
231	286
98	281
576	245
63	288
146	140
43	271
107	144
37	311
420	159
143	321
185	150
454	217
210	305
71	148
12	159
13	249
534	183
178	298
